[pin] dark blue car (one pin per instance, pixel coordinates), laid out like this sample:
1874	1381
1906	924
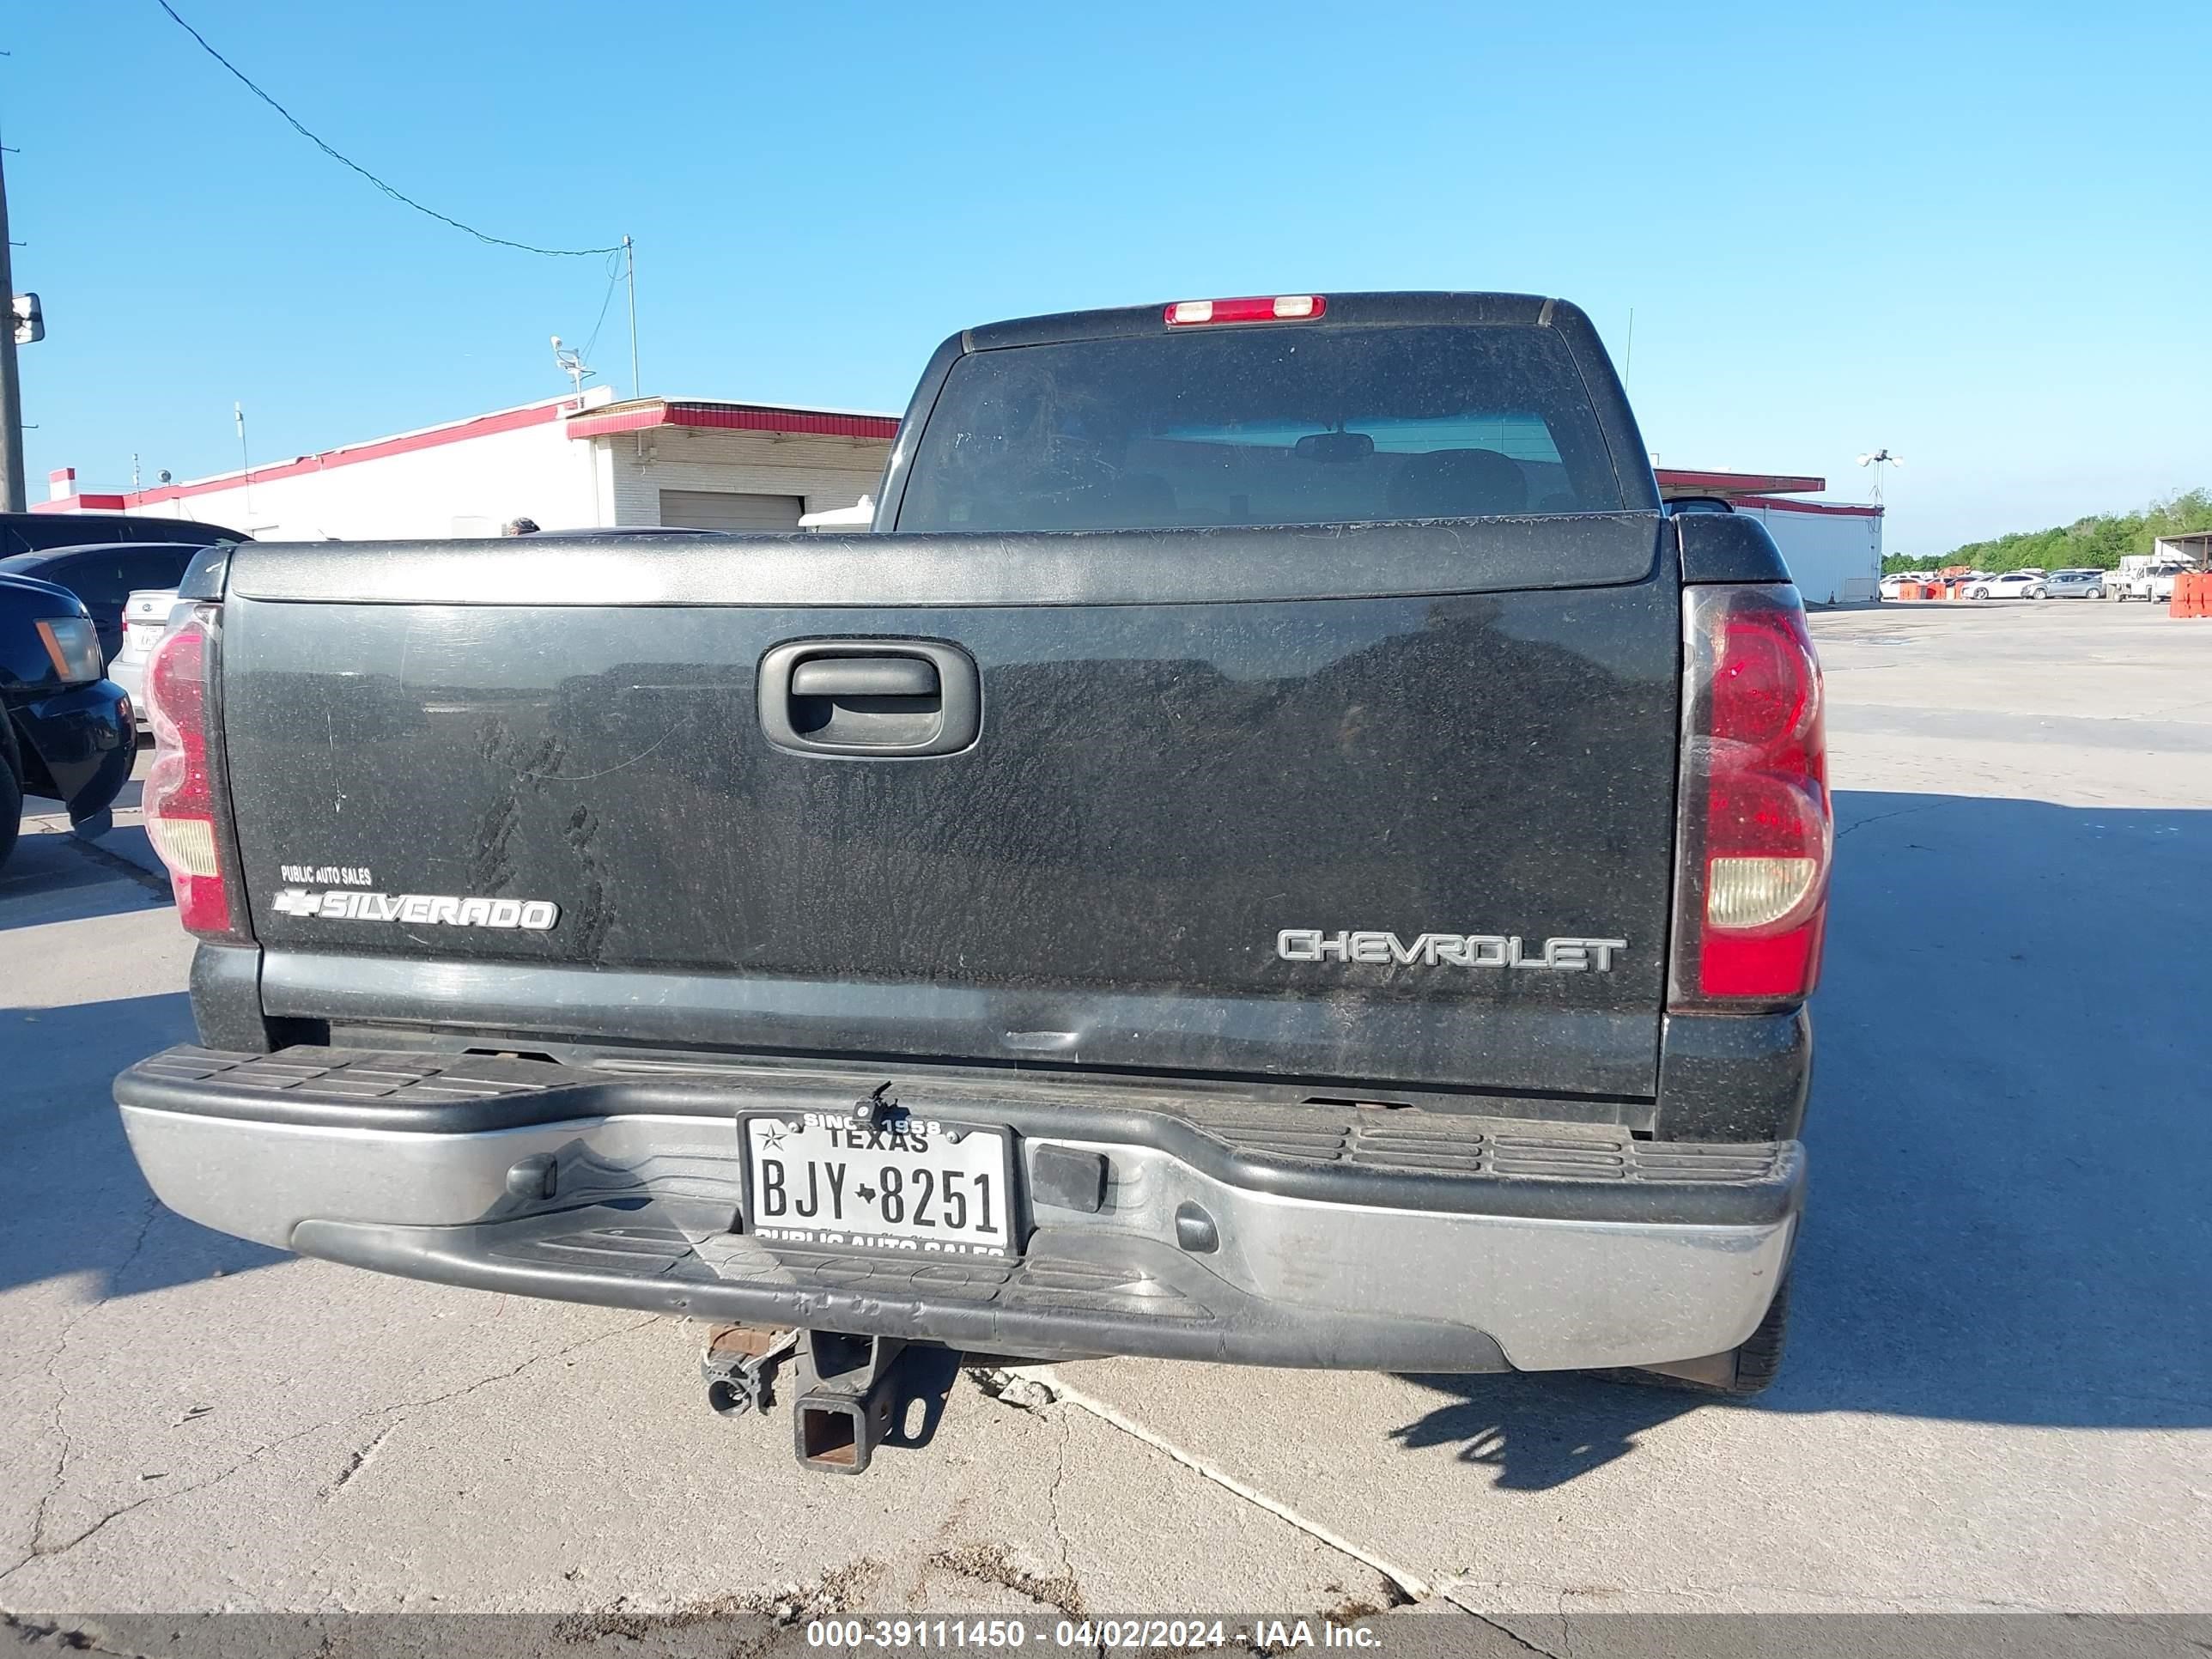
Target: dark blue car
66	731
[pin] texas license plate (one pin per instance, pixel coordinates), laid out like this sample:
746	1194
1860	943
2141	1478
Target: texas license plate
917	1185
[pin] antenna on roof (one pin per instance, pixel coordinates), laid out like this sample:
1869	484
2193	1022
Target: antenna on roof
245	467
570	362
1878	460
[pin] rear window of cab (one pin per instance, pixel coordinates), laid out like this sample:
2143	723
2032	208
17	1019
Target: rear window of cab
1261	426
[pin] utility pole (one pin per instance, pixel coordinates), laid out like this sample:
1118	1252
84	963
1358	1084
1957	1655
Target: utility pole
12	496
630	259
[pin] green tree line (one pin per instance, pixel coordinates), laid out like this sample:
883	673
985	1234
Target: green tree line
2092	543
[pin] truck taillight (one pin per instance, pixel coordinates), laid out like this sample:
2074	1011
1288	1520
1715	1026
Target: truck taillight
185	805
1263	308
1756	834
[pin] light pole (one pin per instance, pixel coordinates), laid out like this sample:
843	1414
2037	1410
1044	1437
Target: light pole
1878	460
12	497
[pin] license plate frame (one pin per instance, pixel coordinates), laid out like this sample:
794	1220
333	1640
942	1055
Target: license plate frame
875	1241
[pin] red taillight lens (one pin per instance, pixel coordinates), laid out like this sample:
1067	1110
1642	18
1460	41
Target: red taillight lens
1756	834
1264	309
183	797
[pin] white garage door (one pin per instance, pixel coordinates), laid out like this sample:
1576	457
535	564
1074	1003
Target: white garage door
725	509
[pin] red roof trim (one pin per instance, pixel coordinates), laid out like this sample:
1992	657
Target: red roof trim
483	426
1768	483
730	417
80	504
624	420
1837	510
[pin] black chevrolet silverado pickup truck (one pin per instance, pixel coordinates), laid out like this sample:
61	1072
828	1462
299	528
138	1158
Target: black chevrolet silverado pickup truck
1277	848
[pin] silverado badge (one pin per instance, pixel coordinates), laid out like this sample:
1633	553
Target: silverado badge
418	909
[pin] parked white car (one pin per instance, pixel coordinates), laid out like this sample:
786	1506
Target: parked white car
145	618
2011	584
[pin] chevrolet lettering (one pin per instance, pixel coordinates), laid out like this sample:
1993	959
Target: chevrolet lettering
1567	956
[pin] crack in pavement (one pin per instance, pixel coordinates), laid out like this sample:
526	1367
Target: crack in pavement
41	1553
359	1461
1010	1386
1052	1498
1881	817
993	1564
58	1422
76	1638
832	1594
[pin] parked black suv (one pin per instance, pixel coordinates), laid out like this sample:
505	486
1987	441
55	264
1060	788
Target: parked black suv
65	731
32	533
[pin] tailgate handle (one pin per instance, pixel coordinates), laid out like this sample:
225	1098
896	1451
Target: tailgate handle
865	677
882	699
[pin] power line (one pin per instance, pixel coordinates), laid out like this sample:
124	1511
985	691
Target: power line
614	278
399	196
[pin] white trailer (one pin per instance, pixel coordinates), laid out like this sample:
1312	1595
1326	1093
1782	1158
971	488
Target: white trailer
1833	549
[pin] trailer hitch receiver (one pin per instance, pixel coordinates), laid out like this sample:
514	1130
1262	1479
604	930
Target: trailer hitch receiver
847	1389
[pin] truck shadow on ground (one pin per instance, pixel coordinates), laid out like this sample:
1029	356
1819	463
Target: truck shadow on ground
51	875
2010	1132
72	1202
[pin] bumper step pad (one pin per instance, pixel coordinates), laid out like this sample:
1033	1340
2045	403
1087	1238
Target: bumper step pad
1070	1296
1402	1155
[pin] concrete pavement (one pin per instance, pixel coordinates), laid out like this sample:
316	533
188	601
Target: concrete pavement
1996	1395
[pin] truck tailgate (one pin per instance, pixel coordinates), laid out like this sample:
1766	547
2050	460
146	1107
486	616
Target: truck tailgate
1231	809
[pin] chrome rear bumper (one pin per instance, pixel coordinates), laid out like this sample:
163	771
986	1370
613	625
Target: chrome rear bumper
1337	1236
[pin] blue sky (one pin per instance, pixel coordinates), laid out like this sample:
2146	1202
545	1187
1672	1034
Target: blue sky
1976	235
